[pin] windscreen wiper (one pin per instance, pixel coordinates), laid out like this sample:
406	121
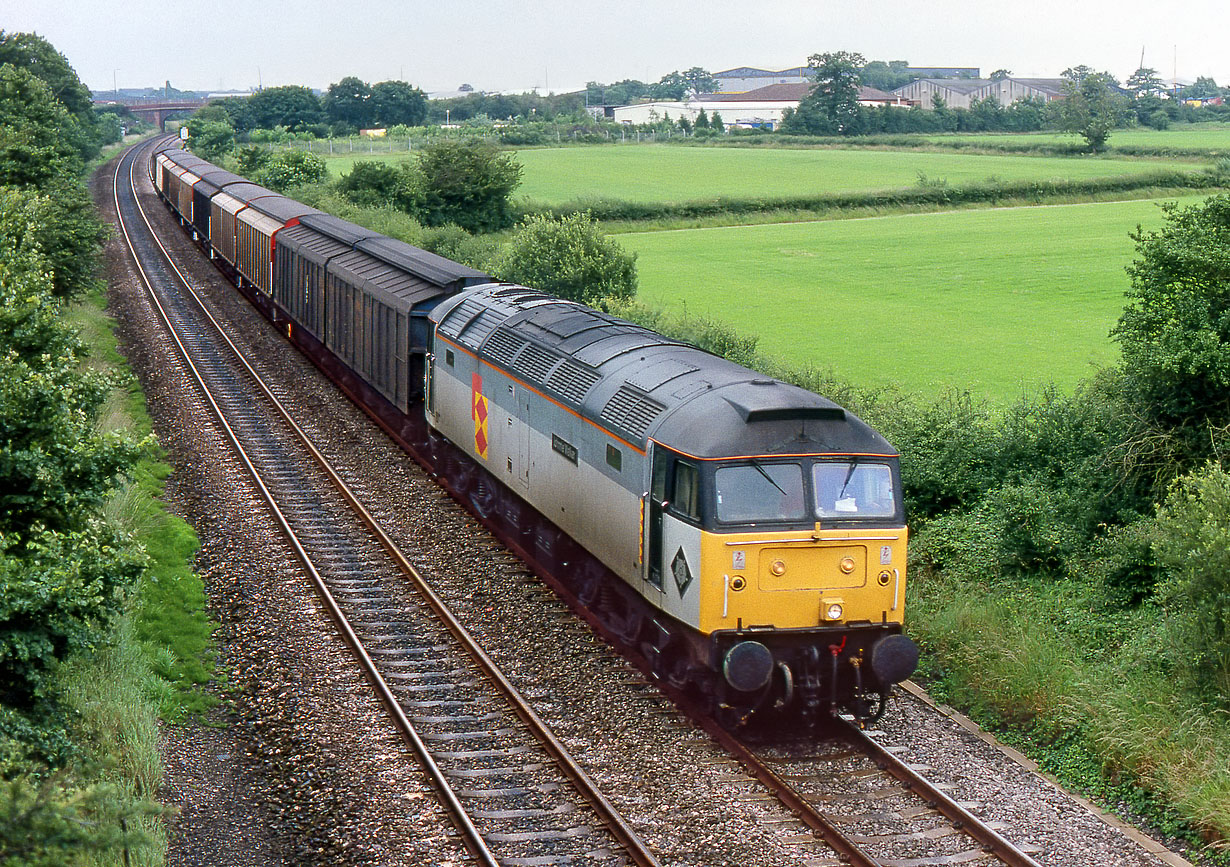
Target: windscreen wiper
849	473
769	478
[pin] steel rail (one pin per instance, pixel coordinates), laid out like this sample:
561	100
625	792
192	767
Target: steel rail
625	835
962	819
471	837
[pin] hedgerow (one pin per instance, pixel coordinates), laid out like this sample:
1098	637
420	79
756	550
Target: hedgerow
937	195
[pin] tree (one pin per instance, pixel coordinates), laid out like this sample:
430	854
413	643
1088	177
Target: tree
1091	106
568	257
1174	333
986	114
398	103
1204	88
672	86
291	106
831	107
619	93
210	140
1145	82
702	120
238	112
1001	74
716	124
699	80
33	146
31	52
467	183
110	128
350	101
886	76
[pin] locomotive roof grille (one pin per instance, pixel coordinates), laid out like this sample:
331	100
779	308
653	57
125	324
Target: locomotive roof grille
502	346
632	411
460	316
573	381
477	329
535	363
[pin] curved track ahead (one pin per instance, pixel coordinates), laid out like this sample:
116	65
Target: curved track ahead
444	695
432	698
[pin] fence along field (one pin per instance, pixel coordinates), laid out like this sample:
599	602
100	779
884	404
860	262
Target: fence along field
989	301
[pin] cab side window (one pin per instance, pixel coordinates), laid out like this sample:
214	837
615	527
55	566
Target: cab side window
686	500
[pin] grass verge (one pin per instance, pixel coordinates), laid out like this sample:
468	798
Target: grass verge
157	660
1067	678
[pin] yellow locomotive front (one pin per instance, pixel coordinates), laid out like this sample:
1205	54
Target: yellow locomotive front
800	567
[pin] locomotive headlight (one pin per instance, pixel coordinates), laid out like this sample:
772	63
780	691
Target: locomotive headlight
846	565
778	567
833	609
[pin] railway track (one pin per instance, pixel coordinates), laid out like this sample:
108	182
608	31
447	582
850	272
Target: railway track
514	794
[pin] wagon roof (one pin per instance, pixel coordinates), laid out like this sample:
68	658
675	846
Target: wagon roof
424	265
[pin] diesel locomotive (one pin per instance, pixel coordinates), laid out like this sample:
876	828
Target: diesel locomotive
744	535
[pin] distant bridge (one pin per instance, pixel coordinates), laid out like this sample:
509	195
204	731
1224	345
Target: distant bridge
155	112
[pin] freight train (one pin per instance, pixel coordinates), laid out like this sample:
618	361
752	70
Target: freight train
745	536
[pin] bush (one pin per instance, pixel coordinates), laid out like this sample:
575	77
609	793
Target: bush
467	183
251	159
373	183
946	449
568	257
1175	331
287	169
1192	542
454	242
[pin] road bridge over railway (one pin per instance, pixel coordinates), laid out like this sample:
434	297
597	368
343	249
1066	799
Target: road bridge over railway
156	112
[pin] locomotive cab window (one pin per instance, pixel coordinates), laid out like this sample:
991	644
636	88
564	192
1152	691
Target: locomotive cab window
686	500
854	489
759	492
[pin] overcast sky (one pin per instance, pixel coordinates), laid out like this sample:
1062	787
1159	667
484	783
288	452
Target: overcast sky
558	45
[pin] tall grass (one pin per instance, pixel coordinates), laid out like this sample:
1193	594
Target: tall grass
1071	682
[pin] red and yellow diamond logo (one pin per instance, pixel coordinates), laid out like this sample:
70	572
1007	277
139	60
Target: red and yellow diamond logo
478	411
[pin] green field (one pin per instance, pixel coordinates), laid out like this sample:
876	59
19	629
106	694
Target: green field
990	301
662	173
1192	136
